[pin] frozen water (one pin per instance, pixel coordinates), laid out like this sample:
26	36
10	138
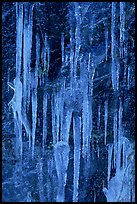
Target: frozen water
106	119
110	150
77	148
44	118
19	31
61	154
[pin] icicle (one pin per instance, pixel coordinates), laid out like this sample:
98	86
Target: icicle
120	128
122	28
57	114
85	126
71	48
22	117
34	112
25	54
106	120
48	59
8	78
44	119
115	136
53	119
62	92
40	180
18	98
77	143
19	31
94	196
98	123
66	123
129	76
62	46
106	39
77	37
61	154
45	53
29	42
113	46
98	150
110	149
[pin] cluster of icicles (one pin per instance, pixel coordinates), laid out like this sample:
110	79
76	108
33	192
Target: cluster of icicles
71	102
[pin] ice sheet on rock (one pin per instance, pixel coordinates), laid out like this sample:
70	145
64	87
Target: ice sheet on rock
61	154
77	149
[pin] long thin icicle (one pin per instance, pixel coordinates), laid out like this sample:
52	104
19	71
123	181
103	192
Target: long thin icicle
98	122
115	136
25	54
106	120
113	46
29	42
120	129
44	119
77	143
34	111
34	82
19	33
110	149
122	28
62	46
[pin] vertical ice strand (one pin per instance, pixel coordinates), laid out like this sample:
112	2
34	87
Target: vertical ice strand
61	155
110	150
44	119
77	148
40	179
113	47
19	36
106	119
34	82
